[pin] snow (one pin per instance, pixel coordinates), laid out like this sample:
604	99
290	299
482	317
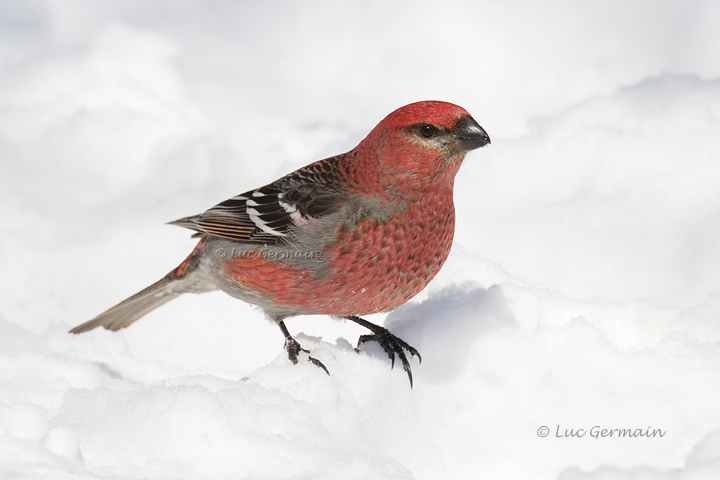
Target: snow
582	290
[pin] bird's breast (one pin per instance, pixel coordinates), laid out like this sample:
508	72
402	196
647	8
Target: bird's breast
384	263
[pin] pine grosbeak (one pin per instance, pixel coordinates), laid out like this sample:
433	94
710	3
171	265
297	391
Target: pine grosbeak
354	234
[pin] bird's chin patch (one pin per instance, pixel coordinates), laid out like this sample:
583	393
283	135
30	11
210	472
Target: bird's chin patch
452	157
449	165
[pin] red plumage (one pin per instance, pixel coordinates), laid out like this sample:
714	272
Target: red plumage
354	234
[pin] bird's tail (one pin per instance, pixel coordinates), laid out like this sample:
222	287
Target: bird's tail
172	285
131	309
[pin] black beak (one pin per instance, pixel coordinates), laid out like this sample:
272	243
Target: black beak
469	134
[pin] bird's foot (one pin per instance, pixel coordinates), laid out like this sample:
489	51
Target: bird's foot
293	349
391	344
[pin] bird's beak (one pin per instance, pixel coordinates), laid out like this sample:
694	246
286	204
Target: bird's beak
469	134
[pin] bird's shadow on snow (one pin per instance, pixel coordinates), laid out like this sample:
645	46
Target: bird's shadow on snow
445	327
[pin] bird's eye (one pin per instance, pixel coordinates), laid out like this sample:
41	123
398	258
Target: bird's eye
427	131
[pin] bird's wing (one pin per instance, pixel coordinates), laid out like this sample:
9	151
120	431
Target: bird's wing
267	214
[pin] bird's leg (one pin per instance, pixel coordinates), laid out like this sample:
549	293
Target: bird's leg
293	348
389	342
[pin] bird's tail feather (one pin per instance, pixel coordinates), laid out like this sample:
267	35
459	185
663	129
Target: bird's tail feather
131	309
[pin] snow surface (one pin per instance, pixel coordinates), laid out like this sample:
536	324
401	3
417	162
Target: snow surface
582	290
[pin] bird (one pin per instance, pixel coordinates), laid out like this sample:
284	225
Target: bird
351	235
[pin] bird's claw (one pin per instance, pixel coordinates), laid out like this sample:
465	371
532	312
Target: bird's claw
293	349
393	346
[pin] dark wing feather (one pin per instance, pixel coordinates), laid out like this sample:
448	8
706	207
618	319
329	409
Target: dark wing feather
267	214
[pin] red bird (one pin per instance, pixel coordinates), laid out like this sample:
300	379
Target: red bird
354	234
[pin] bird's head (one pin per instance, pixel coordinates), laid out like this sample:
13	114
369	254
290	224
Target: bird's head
421	145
